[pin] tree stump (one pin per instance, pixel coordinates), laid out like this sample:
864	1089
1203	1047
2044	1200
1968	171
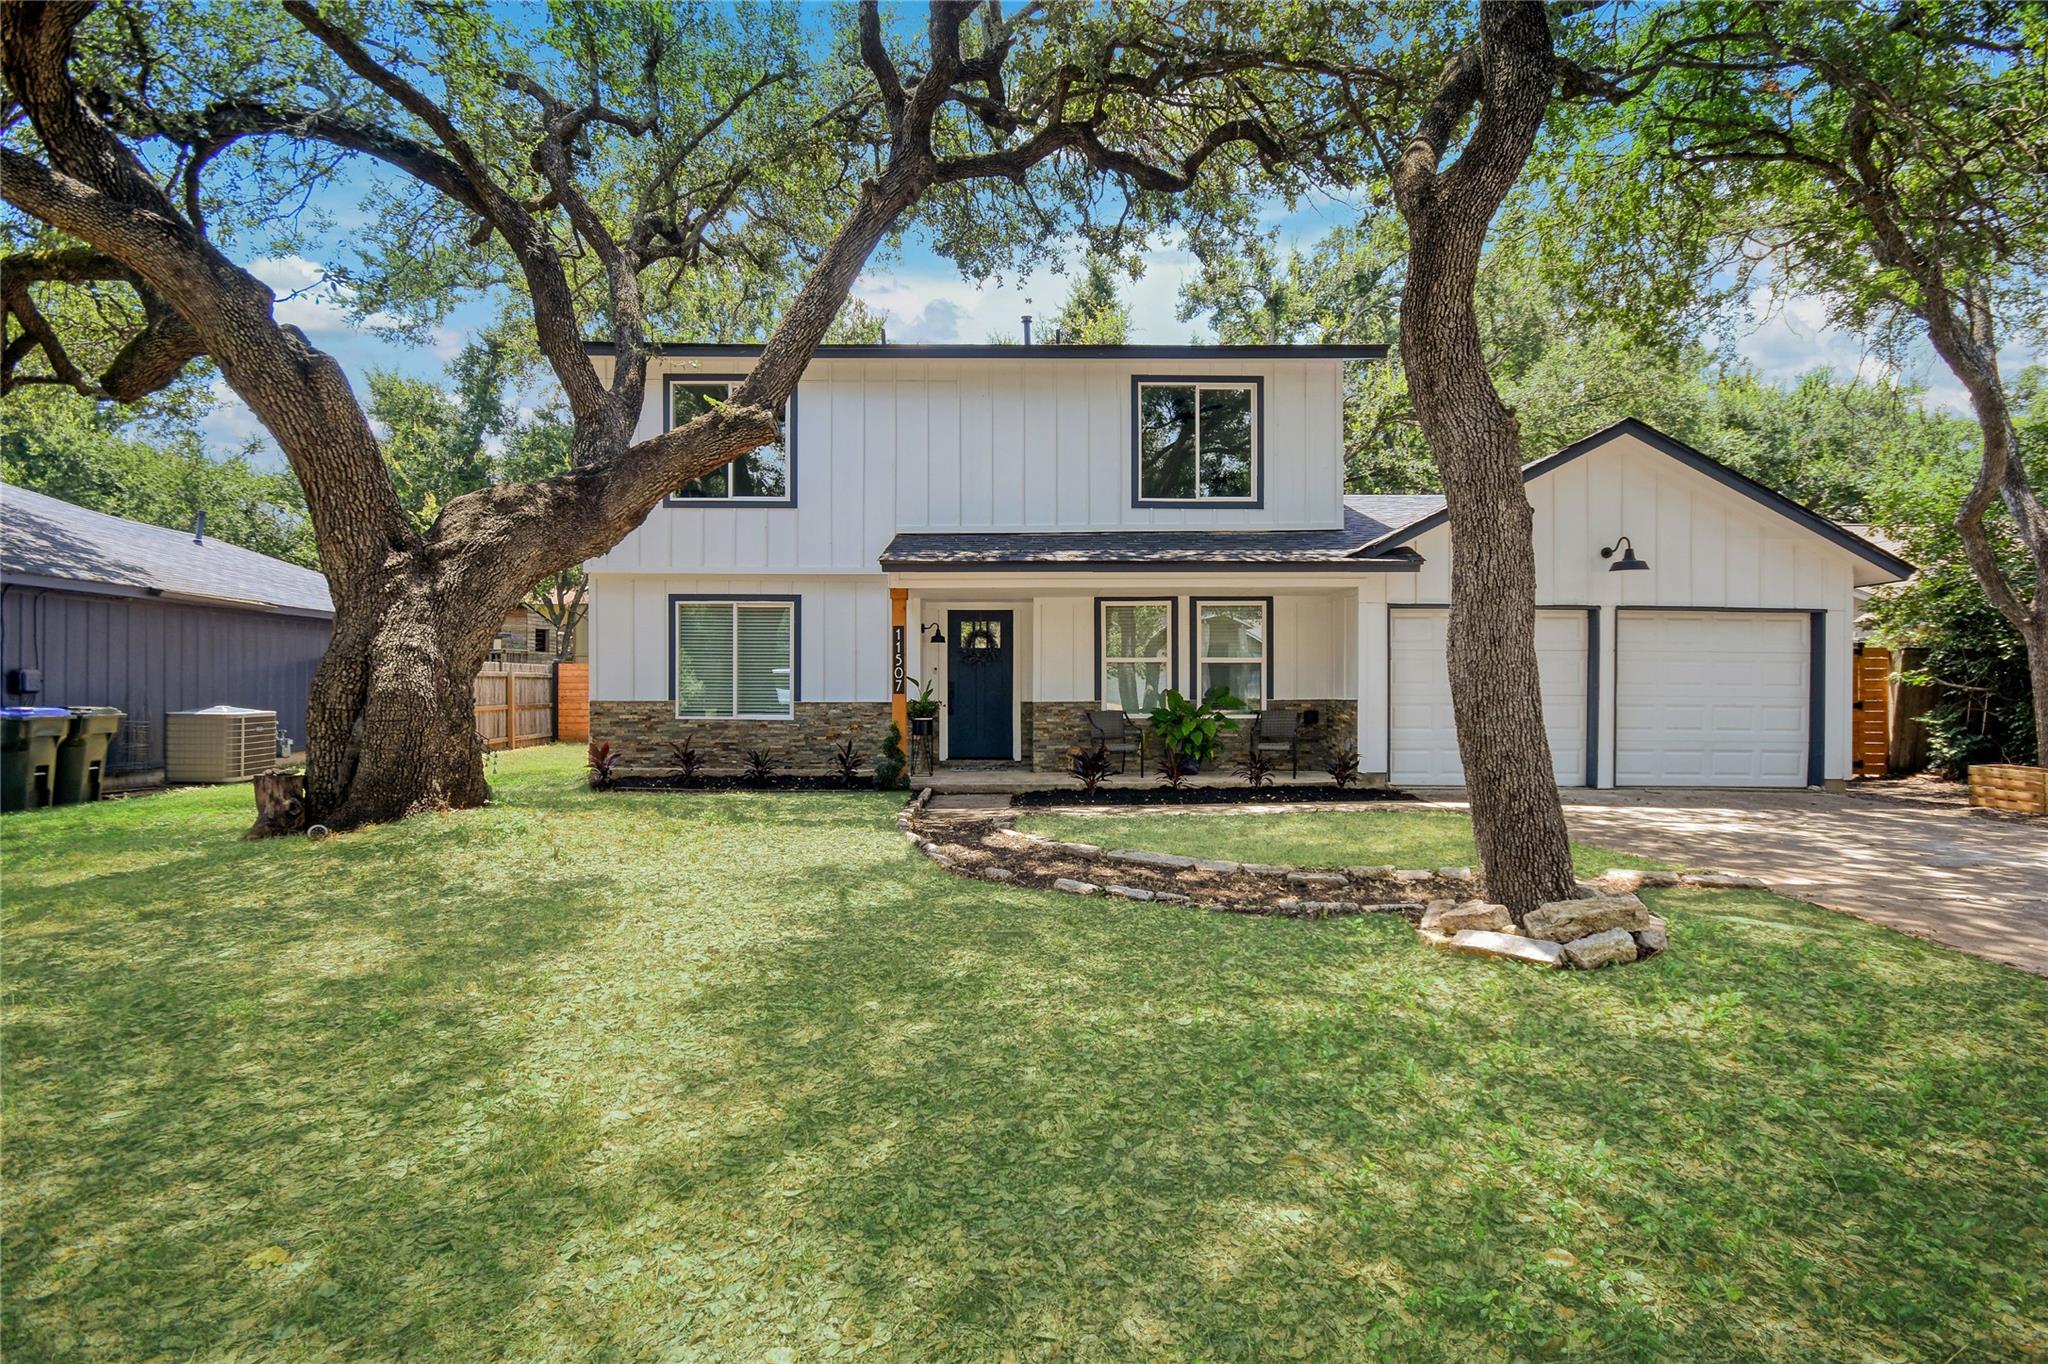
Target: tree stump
280	803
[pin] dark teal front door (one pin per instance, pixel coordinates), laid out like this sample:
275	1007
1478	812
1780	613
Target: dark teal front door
978	685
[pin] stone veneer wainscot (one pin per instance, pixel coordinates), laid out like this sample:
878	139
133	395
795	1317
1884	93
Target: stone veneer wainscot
641	732
1051	728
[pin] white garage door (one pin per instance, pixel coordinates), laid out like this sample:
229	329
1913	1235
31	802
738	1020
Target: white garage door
1710	698
1423	733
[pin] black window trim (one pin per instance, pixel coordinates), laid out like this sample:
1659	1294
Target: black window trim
1257	384
668	387
1195	605
796	652
1172	605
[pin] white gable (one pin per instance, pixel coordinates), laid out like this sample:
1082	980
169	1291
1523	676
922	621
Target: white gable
1707	544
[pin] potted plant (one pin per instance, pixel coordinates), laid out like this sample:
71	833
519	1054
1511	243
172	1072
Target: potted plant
923	711
1189	729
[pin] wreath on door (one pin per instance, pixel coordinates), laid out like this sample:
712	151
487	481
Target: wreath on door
979	645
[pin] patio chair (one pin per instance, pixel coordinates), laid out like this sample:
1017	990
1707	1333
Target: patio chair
1279	731
1114	731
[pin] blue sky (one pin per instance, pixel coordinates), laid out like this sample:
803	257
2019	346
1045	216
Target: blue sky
926	299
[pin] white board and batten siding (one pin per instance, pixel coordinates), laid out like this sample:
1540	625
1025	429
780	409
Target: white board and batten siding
844	636
842	632
1312	642
884	446
1710	549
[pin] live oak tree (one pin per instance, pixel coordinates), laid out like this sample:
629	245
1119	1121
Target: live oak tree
1450	111
1503	84
597	169
1891	161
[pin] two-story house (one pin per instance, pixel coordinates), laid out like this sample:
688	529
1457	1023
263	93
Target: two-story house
1038	532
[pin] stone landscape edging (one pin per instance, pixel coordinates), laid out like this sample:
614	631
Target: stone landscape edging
985	845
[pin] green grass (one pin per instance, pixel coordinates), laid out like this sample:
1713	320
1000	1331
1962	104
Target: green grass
744	1078
1372	835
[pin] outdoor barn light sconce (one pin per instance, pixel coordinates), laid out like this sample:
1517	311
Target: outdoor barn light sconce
937	638
1628	559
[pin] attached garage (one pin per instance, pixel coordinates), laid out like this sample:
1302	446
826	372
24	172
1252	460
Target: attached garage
1422	730
1715	698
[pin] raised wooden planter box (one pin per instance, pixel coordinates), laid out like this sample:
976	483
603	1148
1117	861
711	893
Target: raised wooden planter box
2004	787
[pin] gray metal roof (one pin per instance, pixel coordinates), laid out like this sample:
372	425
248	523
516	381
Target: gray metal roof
1365	519
47	540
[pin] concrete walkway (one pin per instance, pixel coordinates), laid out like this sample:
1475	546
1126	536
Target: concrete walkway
1973	879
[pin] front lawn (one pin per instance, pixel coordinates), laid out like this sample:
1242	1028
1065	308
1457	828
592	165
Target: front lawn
745	1077
1377	835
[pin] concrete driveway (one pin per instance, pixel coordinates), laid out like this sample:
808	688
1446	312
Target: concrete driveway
1901	854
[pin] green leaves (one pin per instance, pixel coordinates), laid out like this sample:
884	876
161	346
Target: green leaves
1190	728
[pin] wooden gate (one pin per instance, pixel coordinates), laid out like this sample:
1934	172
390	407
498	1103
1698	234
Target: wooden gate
1870	731
572	702
515	704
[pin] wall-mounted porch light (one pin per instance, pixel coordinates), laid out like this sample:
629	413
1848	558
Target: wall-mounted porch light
937	637
1628	559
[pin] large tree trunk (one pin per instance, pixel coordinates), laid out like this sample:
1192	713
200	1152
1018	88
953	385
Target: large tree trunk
392	724
1959	324
1495	687
1476	442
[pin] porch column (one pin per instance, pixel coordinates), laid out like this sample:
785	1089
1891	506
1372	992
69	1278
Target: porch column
1371	690
899	660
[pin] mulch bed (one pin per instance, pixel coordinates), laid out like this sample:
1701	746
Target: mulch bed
1207	795
977	844
735	782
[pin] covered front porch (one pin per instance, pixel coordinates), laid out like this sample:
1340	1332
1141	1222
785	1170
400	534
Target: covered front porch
1014	663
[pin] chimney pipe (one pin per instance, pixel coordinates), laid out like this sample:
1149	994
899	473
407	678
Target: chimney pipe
1027	329
199	527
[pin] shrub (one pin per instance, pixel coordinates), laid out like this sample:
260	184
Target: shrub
1190	728
689	762
1090	766
1257	769
890	763
1174	770
1342	765
603	761
760	767
846	758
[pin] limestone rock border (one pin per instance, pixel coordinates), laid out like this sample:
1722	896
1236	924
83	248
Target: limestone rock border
1443	903
985	845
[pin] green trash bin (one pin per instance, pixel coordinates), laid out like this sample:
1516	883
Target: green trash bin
29	736
82	758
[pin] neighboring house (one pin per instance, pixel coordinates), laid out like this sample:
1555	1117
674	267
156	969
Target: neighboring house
1055	529
526	632
101	611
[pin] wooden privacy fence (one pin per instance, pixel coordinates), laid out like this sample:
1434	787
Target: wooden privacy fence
572	702
515	704
1871	728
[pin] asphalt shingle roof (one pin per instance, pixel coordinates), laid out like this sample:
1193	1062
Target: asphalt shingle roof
46	537
1365	519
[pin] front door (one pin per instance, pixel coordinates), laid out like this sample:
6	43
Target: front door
978	685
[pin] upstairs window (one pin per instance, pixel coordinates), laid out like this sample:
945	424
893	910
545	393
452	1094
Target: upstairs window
736	659
1137	654
761	475
1197	441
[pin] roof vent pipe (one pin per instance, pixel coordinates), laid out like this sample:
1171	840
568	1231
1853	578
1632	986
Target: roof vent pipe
199	527
1027	329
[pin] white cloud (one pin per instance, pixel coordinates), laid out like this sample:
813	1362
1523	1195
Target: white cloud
1789	335
937	305
320	306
